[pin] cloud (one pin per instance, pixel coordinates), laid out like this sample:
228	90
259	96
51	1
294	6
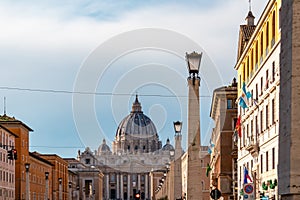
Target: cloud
44	44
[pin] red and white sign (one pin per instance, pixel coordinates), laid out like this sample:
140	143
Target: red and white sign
249	191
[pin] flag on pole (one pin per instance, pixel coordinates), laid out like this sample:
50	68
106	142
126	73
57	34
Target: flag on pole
246	176
245	96
212	145
238	127
209	150
208	169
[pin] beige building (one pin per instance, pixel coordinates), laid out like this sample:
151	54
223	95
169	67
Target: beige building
258	67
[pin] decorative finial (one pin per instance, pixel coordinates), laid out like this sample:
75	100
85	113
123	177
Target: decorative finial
136	107
249	5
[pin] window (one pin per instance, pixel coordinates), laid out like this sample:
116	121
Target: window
251	128
261	164
273	27
88	161
256	126
243	135
248	68
267	79
267	36
261	45
267	161
229	104
273	71
247	130
273	111
273	158
112	178
256	53
256	92
261	121
261	85
267	116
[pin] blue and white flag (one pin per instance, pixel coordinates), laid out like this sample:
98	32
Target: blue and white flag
245	96
212	145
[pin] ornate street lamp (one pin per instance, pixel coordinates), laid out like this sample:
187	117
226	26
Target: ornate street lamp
177	127
193	62
193	127
27	166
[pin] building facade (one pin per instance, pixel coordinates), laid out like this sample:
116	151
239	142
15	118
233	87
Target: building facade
7	166
59	176
224	114
289	143
136	151
258	68
85	182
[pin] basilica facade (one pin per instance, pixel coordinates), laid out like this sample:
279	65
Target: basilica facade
136	151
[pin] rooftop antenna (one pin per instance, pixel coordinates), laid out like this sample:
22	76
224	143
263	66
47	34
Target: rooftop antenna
4	106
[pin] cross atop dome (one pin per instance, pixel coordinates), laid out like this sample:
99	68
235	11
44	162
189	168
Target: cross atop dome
136	106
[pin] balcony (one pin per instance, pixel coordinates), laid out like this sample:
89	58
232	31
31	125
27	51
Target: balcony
252	146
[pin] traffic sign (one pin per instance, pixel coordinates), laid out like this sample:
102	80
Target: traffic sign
215	194
248	188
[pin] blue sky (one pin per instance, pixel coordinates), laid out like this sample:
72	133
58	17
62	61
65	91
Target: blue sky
48	44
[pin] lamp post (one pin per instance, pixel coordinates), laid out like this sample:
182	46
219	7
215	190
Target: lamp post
77	192
27	166
47	185
60	188
70	190
176	188
178	138
193	163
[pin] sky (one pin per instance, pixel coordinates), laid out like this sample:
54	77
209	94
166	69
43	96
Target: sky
70	70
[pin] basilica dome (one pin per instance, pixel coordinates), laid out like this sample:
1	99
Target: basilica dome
136	123
104	148
168	146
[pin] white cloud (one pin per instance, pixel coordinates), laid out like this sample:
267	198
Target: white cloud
41	41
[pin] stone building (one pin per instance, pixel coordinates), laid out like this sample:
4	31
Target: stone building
136	151
289	115
258	67
224	113
85	182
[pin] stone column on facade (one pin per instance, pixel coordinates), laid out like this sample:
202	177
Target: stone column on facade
128	186
146	186
121	187
107	186
118	186
139	182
